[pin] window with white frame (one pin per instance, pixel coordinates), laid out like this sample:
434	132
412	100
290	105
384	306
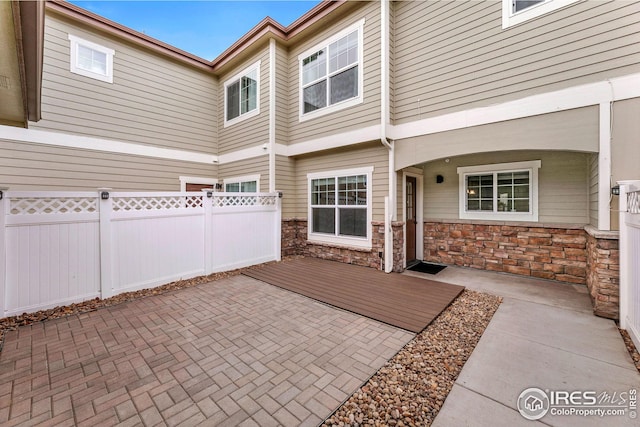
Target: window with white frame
518	11
507	191
242	184
331	73
340	206
91	60
241	95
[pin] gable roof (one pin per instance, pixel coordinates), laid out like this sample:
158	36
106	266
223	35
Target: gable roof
268	28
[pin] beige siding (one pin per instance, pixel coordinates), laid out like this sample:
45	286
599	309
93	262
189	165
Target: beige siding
282	93
452	56
253	131
26	166
286	182
372	155
562	184
572	130
152	100
625	141
593	189
362	115
253	166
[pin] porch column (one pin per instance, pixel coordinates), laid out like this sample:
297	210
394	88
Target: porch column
604	167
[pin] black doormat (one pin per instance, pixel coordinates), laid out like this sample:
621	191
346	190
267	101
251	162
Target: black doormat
427	267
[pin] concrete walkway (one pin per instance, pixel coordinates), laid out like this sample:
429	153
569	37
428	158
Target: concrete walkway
543	335
236	352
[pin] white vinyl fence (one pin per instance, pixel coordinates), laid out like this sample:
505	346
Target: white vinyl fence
630	259
57	248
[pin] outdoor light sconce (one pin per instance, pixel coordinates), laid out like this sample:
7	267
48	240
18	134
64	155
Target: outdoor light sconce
439	179
218	186
104	195
279	194
615	190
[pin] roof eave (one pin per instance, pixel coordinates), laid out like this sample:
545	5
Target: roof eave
96	21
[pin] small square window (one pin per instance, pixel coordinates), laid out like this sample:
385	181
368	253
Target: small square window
91	60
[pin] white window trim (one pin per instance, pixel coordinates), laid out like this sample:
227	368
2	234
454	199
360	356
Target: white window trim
533	166
73	63
302	116
245	178
357	242
510	18
236	77
184	180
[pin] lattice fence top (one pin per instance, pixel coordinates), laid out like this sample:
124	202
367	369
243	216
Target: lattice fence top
128	204
52	205
221	201
633	202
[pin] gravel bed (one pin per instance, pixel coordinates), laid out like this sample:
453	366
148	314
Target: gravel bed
631	348
410	389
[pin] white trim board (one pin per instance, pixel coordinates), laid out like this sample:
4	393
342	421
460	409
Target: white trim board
616	89
98	144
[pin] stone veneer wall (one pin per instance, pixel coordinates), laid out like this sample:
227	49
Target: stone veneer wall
603	271
294	242
548	252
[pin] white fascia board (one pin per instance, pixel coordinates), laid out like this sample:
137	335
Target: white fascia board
616	89
371	133
98	144
245	153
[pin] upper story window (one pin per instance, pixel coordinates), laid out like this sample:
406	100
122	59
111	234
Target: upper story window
91	60
340	207
331	73
242	95
507	191
517	11
242	184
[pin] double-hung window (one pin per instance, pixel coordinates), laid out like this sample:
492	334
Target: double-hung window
331	73
241	95
505	191
340	207
518	11
242	184
91	60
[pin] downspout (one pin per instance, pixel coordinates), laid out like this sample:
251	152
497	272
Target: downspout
390	200
272	115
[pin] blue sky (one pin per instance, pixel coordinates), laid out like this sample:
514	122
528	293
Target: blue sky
204	28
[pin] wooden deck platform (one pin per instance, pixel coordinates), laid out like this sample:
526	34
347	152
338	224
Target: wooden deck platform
407	302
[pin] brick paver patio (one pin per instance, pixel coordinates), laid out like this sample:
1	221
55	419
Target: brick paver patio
236	352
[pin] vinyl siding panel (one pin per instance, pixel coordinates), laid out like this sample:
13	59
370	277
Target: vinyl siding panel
452	56
625	137
572	130
372	155
27	166
593	189
286	182
361	115
152	101
282	91
252	131
562	184
253	166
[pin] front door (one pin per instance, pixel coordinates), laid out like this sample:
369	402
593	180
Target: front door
198	187
411	219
